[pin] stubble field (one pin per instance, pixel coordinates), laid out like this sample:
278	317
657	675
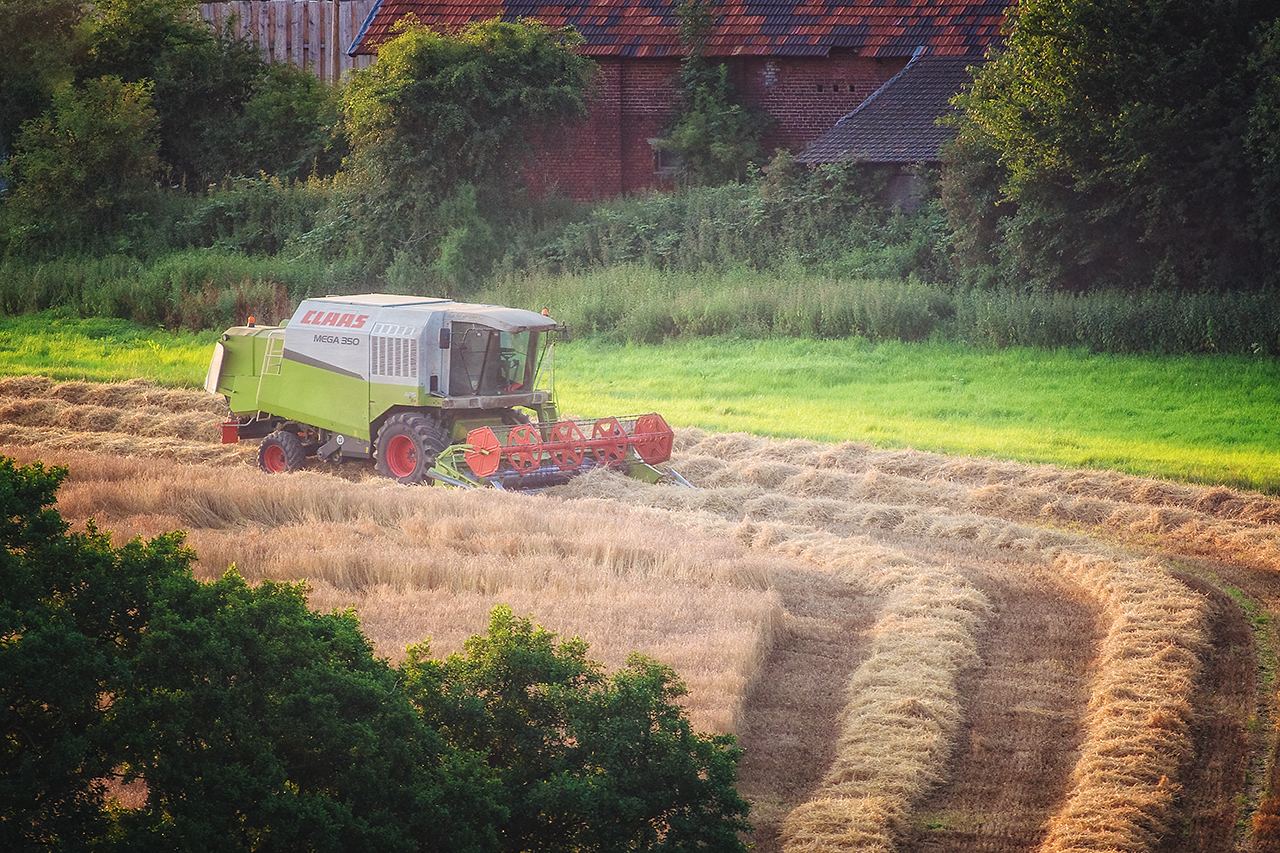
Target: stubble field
918	652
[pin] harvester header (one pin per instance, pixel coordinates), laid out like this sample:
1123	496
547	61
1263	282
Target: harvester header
416	381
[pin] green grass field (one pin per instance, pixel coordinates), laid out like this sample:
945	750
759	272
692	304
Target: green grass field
1209	419
101	350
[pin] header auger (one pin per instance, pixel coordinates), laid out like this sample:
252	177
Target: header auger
432	390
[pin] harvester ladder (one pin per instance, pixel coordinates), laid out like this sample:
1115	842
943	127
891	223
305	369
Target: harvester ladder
272	358
275	353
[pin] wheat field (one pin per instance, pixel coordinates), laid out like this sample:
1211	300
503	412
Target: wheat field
918	652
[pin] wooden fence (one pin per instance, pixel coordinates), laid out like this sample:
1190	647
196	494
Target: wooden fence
297	31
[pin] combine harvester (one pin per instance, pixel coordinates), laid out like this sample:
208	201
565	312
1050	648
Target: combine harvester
432	390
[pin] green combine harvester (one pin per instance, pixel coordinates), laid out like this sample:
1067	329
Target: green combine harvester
433	390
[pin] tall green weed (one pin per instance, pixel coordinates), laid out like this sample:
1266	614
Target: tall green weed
638	303
193	289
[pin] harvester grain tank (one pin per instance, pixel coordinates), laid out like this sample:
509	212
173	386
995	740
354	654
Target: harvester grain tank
431	389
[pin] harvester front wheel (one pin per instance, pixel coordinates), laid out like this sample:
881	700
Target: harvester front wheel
408	444
281	452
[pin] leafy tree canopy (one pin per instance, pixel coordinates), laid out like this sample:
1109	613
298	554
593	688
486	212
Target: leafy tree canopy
257	724
86	164
223	110
436	110
586	762
40	46
1115	132
439	112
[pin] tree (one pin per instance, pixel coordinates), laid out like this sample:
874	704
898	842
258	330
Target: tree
1116	131
1263	140
72	612
438	111
255	723
288	128
84	166
715	136
223	110
584	761
40	44
259	724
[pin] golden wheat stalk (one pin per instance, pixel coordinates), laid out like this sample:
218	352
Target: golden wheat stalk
1137	730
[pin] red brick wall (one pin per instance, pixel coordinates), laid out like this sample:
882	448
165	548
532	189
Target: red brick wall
807	95
609	154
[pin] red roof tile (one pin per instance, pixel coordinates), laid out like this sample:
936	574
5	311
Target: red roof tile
881	28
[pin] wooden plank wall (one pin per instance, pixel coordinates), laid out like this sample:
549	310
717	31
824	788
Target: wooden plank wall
297	31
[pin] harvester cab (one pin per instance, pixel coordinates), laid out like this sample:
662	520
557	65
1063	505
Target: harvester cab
431	389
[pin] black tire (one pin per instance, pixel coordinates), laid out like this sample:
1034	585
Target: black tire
281	452
407	447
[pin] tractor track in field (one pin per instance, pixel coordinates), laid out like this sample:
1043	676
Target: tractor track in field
1012	759
1024	709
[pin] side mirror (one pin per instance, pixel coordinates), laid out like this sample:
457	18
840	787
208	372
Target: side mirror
446	337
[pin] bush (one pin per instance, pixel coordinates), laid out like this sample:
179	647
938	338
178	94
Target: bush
82	169
584	761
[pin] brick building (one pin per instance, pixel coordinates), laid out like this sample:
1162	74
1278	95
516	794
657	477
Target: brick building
808	64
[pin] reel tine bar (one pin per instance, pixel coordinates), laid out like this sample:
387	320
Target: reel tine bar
563	444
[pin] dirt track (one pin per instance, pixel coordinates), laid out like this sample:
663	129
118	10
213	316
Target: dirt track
861	526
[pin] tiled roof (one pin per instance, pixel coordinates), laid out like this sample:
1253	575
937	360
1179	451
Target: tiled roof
877	28
899	122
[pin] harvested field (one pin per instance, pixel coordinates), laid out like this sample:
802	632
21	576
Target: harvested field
919	653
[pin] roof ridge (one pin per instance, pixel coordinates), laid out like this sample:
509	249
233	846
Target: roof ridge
919	51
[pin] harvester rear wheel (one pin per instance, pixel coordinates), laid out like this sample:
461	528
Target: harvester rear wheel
408	444
281	452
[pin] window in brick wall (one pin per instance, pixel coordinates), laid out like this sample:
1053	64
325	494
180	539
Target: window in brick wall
664	161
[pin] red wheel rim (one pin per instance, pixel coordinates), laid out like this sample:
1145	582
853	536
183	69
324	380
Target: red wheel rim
483	460
570	444
402	455
609	452
652	438
273	459
523	448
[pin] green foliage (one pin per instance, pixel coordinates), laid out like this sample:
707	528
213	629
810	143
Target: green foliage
82	168
73	611
194	289
714	134
256	215
289	128
258	724
40	42
255	721
1115	133
437	111
1262	142
201	79
640	304
584	761
828	219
